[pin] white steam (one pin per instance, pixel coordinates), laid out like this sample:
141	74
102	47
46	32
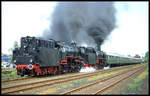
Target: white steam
87	69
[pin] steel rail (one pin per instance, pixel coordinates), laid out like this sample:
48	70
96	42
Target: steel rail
94	83
56	81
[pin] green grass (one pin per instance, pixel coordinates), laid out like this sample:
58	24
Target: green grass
9	74
139	89
137	83
133	85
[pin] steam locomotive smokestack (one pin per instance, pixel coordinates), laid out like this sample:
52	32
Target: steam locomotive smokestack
99	46
83	22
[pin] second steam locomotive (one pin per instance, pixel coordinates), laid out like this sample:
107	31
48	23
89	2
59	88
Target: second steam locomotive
37	57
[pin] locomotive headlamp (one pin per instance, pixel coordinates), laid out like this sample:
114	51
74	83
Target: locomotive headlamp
24	46
14	61
30	66
31	60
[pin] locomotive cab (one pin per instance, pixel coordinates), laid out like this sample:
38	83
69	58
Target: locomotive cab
90	55
32	54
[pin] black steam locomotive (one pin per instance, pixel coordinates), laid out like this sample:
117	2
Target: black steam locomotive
36	57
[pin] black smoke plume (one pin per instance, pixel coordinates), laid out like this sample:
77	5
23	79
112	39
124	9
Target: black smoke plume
82	22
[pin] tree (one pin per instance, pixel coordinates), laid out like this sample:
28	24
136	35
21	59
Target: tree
137	56
129	56
11	50
146	54
146	57
15	45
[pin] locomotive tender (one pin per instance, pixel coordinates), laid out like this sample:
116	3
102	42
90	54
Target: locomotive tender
37	57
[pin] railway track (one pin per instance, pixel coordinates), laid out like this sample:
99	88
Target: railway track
103	84
28	78
16	79
29	86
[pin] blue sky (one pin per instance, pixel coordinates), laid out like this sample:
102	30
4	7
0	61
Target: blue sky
130	37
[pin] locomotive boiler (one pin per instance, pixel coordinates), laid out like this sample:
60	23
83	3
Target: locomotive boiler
37	57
